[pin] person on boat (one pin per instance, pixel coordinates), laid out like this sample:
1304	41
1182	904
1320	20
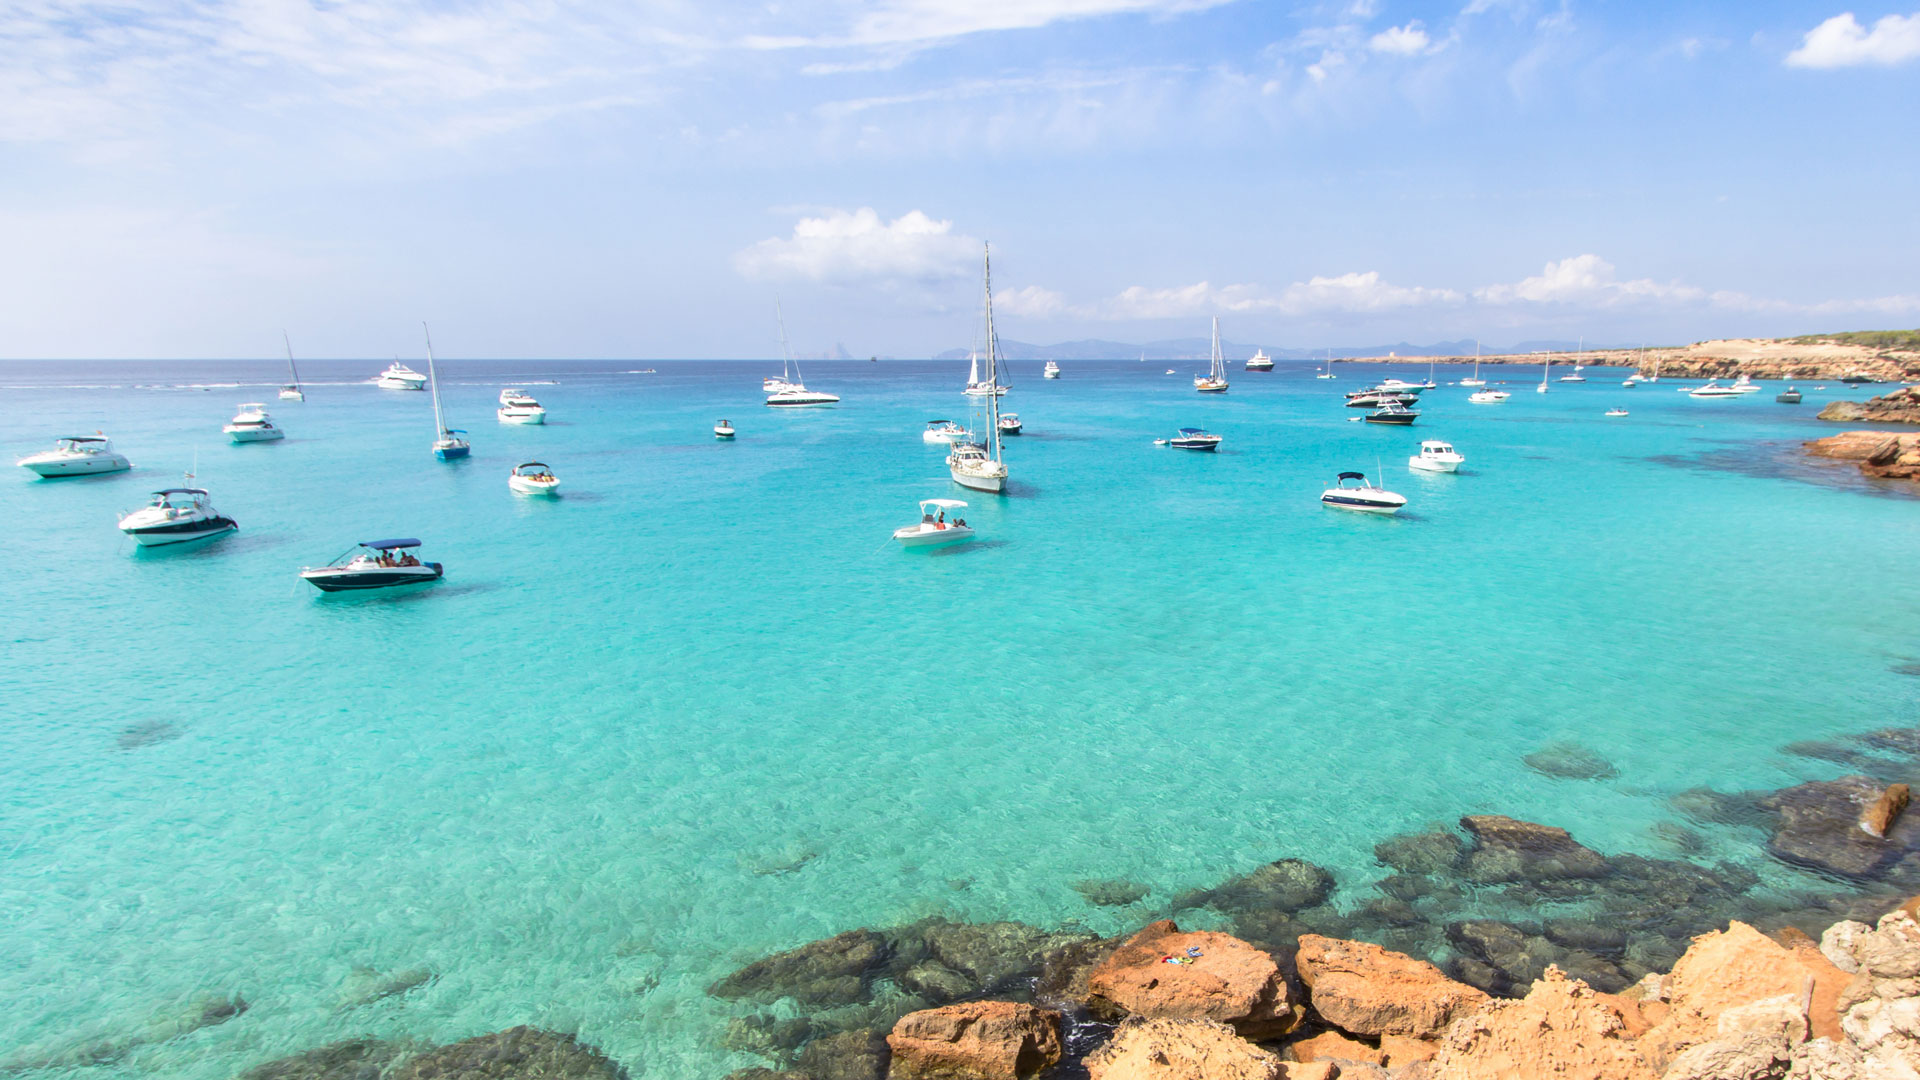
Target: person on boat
385	559
942	521
407	559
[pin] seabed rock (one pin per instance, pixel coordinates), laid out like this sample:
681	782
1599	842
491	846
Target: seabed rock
1111	893
521	1053
1817	827
1507	849
836	971
350	1059
1570	761
1435	851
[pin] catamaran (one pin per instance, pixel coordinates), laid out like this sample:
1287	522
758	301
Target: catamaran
291	391
447	443
979	465
791	394
1215	380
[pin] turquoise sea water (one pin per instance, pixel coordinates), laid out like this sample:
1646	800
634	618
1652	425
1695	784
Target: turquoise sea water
700	708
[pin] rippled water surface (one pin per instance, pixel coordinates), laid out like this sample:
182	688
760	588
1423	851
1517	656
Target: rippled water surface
701	708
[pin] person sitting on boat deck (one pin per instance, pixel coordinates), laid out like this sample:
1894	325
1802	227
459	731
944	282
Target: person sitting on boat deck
385	559
942	521
408	560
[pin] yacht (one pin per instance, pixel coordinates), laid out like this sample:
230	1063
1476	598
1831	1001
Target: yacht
1855	378
399	376
448	444
1170	371
723	430
1576	376
1051	371
1476	380
1260	361
1714	390
291	391
373	564
1401	386
1789	396
1392	412
976	465
77	455
1488	397
1215	380
978	387
519	407
533	478
175	516
1745	385
1616	412
797	396
1009	423
1191	438
252	424
1380	395
933	526
785	393
1361	496
1436	456
945	432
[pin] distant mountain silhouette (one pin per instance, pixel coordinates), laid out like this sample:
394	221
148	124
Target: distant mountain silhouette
1202	348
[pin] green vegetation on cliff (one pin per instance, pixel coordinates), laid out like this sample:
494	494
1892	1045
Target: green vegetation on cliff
1872	339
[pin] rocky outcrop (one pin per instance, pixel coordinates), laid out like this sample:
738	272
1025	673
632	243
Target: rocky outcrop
1880	815
1817	826
980	1040
1883	456
1161	1049
1735	968
846	1055
834	971
1507	849
1164	973
1900	406
1368	990
1337	1047
1561	1028
514	1054
1286	885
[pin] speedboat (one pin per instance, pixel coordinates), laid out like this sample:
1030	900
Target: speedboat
1260	361
252	424
723	430
1361	496
399	376
945	432
933	526
1009	423
1745	385
533	478
1789	396
175	516
1170	371
1051	371
1488	397
1616	412
373	564
1374	397
1436	456
1401	386
1713	390
1192	438
77	455
797	396
518	407
1392	412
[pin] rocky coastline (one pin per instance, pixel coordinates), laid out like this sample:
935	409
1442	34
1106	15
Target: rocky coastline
1757	358
1879	454
1900	406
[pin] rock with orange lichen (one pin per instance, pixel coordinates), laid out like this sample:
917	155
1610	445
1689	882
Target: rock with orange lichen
1161	1049
1736	967
1368	990
1562	1028
1164	973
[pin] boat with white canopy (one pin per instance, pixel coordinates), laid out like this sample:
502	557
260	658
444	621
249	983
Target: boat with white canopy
934	526
533	478
176	516
1361	495
945	432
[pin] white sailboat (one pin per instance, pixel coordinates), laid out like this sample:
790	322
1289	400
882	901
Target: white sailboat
447	443
978	387
1544	373
1327	372
1215	380
291	391
979	465
791	394
1476	380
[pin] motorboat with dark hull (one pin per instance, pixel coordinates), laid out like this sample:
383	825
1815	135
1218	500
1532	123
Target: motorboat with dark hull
374	564
176	516
1376	396
1010	424
1194	439
1789	396
1392	413
1361	496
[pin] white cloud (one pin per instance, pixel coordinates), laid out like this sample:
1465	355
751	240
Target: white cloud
845	246
1344	293
1842	42
1405	40
907	22
1586	280
1030	300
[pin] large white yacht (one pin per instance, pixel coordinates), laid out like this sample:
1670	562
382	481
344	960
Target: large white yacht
1260	361
77	455
1051	371
519	407
399	376
252	424
175	516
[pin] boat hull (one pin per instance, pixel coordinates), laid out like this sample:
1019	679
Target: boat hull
518	416
523	486
54	468
181	532
399	384
1430	465
1365	506
914	536
451	453
292	395
332	579
1208	445
253	434
811	401
992	483
1400	421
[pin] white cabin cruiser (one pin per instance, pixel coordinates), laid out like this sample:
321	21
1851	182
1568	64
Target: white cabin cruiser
1361	496
945	432
252	424
1051	371
175	516
518	407
399	376
1713	390
1436	456
933	526
533	478
1488	397
77	455
1745	385
1401	386
1260	361
1616	412
373	564
723	430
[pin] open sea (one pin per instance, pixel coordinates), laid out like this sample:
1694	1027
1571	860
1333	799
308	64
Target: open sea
701	708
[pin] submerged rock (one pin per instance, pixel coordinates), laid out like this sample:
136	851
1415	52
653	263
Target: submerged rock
1817	827
349	1059
1111	892
995	955
1435	851
767	1035
836	971
981	1040
145	733
521	1053
1710	807
365	985
848	1055
1064	971
1570	761
1287	885
1507	849
1163	972
199	1011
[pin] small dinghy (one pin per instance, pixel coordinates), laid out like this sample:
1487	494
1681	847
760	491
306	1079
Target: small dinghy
373	564
933	526
1436	456
723	430
1192	438
533	478
1616	412
1361	495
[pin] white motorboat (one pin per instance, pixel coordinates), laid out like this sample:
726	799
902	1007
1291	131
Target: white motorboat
252	424
723	430
1361	496
1170	371
1476	380
518	407
799	396
1745	385
1392	412
1376	396
373	564
1714	390
978	387
533	478
175	516
1401	386
791	393
1631	381
1488	397
1616	412
1215	380
980	466
945	432
1436	456
1010	423
77	455
1260	361
399	376
291	391
1190	438
933	526
1051	371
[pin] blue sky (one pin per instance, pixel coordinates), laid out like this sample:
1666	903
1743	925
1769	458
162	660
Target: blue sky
552	178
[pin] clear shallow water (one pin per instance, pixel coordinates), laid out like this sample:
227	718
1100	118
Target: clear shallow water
700	708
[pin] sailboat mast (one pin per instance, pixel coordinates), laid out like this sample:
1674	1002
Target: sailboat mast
433	379
291	370
786	351
993	355
1214	371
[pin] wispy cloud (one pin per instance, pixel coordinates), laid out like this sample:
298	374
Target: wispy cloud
1587	280
844	247
915	22
1842	42
1408	40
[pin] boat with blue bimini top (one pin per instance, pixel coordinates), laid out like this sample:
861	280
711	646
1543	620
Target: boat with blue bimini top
1361	496
373	564
1192	438
175	516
